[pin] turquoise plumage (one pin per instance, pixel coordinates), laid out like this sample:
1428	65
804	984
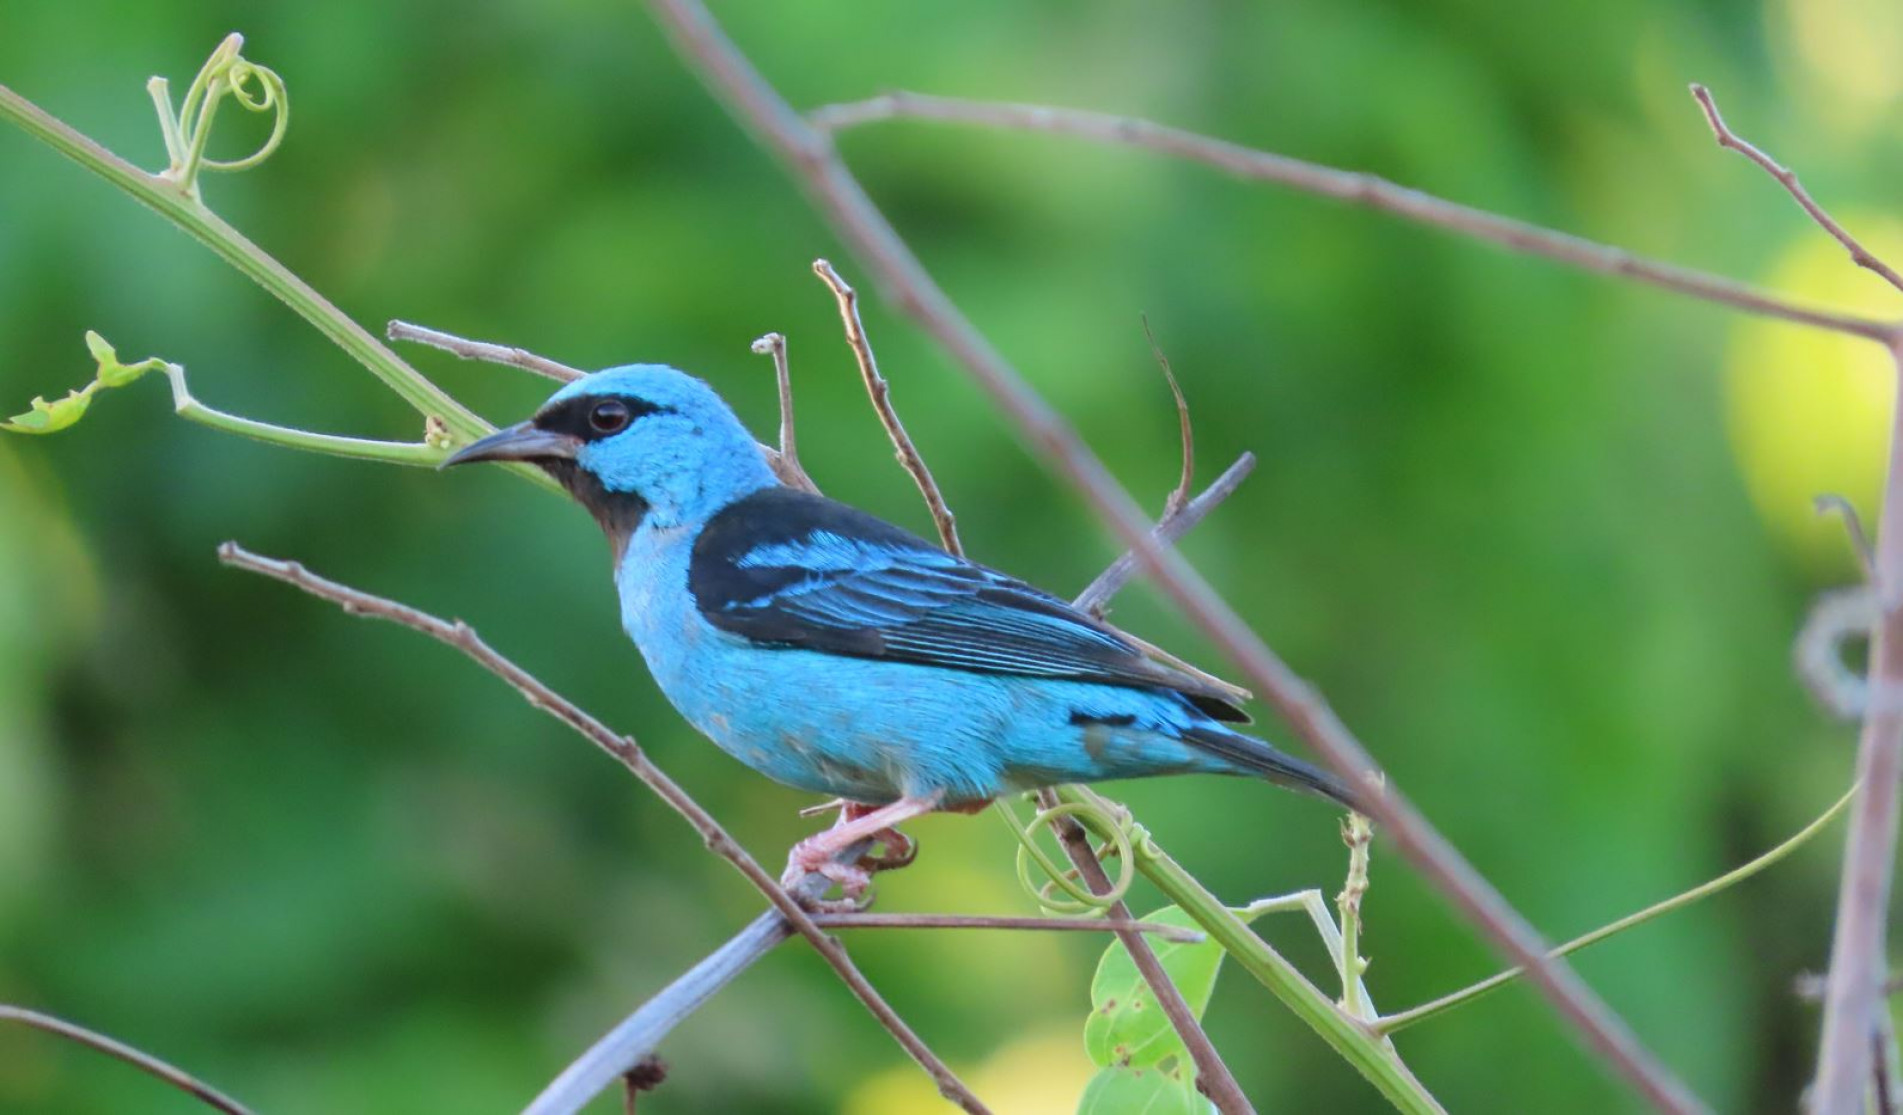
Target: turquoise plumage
836	653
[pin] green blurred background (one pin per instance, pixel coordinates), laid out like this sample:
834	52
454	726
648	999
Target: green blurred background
1543	539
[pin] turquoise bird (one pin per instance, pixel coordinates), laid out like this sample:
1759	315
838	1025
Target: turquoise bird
836	653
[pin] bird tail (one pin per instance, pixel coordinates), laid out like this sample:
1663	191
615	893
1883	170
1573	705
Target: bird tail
1252	756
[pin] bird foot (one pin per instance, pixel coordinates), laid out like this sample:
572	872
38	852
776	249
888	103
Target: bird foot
858	824
812	857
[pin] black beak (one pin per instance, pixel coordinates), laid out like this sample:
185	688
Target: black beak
523	441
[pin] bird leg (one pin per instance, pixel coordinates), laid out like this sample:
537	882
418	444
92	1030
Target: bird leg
858	822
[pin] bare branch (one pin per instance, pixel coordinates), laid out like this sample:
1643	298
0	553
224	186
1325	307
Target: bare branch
483	351
786	459
809	155
1857	963
1786	178
623	748
1095	598
1173	933
1354	188
1213	1076
881	393
138	1059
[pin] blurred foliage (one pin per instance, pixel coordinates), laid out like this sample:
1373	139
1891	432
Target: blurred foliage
1538	536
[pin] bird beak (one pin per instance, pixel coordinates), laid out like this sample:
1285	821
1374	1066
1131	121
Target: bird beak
520	442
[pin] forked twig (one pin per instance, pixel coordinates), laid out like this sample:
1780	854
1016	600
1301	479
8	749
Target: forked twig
1096	596
483	350
1786	178
1352	187
881	393
623	748
138	1059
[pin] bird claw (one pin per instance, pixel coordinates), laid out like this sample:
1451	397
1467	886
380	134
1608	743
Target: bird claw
899	850
853	879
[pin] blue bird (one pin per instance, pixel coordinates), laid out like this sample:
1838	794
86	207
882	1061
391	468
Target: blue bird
836	653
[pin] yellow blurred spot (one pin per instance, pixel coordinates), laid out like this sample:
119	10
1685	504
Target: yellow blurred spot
1809	410
1041	1074
1848	48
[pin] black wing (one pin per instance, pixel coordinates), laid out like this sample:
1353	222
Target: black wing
785	568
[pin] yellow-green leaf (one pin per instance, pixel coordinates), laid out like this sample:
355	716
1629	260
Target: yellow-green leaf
47	418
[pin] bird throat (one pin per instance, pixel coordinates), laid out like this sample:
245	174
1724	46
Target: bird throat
619	513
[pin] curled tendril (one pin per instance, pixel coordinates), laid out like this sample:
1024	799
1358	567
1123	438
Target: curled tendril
227	73
1081	900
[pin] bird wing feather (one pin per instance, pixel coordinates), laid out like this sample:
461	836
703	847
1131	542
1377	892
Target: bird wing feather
783	568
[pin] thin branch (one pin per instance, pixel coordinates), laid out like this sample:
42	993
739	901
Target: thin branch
881	393
1352	187
786	459
1730	140
810	156
1212	1074
138	1059
1856	952
483	351
1173	933
623	748
1095	598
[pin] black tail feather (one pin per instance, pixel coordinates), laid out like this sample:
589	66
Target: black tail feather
1265	762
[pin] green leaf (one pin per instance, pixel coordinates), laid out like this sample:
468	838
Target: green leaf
1122	1091
1126	1027
48	418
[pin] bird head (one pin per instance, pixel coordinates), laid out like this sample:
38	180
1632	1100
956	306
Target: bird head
639	443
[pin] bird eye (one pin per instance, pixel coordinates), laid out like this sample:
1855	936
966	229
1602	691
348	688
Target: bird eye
610	416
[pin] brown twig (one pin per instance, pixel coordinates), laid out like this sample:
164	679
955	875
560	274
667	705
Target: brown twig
785	460
1173	933
484	351
138	1059
1213	1077
1179	495
1095	598
1786	178
881	393
623	748
1352	187
809	154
